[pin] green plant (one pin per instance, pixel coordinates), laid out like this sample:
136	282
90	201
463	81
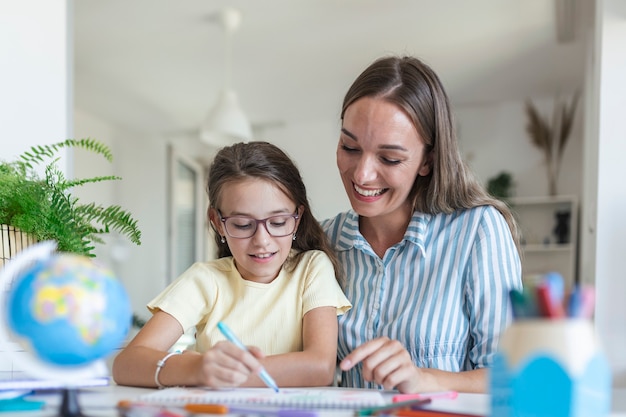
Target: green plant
501	186
137	321
45	208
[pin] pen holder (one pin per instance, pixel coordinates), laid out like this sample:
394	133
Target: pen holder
550	368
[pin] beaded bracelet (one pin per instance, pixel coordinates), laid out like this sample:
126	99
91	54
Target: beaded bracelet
160	364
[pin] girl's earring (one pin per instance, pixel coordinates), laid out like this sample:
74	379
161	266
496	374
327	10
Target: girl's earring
294	237
223	239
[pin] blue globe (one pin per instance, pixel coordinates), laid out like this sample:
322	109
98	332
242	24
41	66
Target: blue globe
68	310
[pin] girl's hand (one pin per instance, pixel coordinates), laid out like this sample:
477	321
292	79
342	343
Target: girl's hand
386	362
226	365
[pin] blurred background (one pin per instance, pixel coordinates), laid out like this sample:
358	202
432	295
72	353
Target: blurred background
146	77
148	74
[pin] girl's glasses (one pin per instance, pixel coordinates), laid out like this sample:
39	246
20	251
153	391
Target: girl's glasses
241	227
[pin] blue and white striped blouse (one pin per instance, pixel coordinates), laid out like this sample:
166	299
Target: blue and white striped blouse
442	291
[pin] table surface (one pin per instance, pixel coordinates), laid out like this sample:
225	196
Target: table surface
101	402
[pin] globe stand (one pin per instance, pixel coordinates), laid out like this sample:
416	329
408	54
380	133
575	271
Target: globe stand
88	293
69	403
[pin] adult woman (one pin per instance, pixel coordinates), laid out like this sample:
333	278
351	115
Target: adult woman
428	255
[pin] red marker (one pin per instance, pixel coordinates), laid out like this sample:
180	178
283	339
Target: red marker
548	307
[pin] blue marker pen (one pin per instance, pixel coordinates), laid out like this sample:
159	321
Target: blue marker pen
554	281
228	334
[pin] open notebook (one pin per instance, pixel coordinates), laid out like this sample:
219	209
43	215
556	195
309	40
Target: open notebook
329	398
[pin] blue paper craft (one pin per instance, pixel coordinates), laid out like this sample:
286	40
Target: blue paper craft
541	387
20	404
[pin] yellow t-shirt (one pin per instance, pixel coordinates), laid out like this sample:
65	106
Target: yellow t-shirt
268	316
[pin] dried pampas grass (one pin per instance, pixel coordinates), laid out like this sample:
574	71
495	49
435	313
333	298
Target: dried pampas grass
551	138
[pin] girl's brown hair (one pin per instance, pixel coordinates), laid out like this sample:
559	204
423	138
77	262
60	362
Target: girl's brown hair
262	160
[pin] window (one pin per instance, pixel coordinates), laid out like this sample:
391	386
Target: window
187	208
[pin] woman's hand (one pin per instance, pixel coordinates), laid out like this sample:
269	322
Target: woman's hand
226	365
386	362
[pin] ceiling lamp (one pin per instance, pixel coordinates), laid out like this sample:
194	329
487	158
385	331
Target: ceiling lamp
226	123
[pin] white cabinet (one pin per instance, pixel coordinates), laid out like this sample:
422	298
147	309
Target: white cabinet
547	243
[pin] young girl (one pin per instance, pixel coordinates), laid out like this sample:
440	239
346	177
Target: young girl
275	285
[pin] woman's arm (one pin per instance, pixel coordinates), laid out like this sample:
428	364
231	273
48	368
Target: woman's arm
224	365
387	363
315	364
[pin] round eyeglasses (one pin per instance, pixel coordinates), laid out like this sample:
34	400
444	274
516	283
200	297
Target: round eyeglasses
242	227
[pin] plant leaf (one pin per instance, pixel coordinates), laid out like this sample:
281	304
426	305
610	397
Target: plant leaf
539	130
44	207
567	121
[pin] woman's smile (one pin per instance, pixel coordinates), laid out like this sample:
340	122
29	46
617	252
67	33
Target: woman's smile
369	192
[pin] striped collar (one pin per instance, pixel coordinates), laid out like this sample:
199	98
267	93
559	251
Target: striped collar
351	237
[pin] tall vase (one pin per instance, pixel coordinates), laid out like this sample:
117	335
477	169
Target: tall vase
553	174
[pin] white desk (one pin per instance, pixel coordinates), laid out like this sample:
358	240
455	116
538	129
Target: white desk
101	402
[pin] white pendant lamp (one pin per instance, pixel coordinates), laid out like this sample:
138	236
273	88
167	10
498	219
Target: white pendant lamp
226	123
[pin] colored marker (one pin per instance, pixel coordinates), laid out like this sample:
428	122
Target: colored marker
223	409
228	334
420	396
207	408
554	281
129	408
393	407
588	301
520	305
530	298
547	306
575	303
431	413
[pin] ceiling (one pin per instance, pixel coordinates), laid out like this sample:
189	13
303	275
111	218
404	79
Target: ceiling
157	66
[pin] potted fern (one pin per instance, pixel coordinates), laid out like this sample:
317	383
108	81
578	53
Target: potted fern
42	206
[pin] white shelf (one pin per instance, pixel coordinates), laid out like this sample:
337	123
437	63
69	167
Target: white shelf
543	253
541	248
543	200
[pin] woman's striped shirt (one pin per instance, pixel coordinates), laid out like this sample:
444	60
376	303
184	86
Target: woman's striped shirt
442	291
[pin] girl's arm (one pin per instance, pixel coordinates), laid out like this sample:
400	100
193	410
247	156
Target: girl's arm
222	366
315	365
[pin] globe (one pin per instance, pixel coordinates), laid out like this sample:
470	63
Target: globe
66	311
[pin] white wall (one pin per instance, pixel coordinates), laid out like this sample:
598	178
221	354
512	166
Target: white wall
610	266
35	71
87	165
312	145
142	165
493	139
35	94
